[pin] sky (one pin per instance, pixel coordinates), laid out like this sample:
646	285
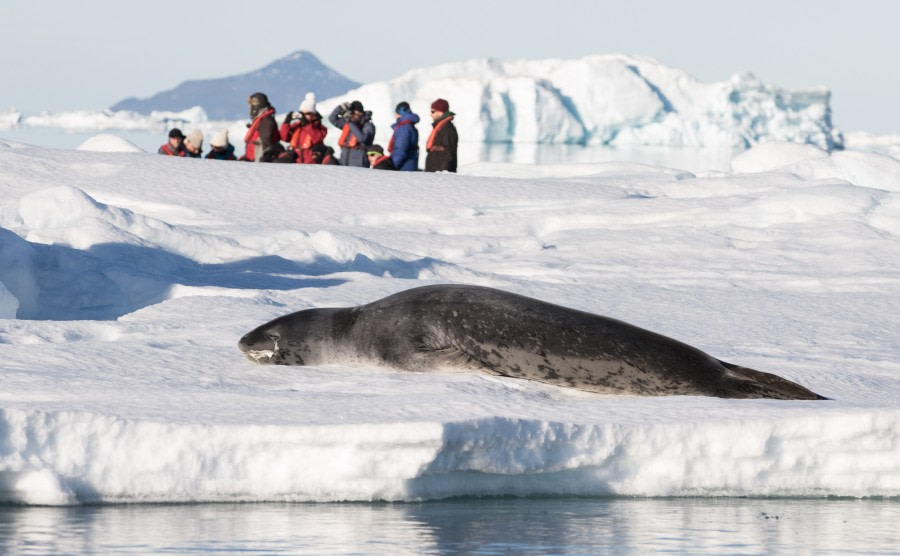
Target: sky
62	55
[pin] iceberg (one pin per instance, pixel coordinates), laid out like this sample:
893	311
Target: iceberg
613	99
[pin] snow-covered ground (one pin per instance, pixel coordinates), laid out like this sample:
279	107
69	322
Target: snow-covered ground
127	279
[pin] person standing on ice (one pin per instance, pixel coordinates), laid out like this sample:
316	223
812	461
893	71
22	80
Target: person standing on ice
302	129
378	160
262	139
221	148
357	132
175	145
193	144
442	142
404	143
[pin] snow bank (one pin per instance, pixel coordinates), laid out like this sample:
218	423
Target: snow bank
859	168
109	143
611	99
18	282
416	461
131	284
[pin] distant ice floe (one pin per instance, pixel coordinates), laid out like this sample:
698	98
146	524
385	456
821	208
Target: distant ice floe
9	118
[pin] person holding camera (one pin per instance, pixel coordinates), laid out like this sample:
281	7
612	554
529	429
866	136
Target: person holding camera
302	129
357	132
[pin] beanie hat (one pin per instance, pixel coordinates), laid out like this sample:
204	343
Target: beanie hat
220	139
440	105
309	103
357	106
195	138
259	99
176	133
375	149
402	107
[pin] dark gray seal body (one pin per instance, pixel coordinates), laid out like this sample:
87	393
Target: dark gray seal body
501	333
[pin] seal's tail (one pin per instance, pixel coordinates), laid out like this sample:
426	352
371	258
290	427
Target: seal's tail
742	382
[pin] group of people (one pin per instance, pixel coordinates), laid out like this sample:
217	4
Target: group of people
300	139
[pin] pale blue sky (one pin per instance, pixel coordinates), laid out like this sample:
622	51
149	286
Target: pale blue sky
62	54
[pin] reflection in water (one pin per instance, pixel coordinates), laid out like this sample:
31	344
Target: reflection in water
493	526
687	158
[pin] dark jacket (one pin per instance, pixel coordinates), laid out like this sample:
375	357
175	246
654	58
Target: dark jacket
384	163
222	153
404	145
442	146
262	139
357	139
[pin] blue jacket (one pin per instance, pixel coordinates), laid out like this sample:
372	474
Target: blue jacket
404	144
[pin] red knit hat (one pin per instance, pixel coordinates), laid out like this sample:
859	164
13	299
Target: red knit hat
440	105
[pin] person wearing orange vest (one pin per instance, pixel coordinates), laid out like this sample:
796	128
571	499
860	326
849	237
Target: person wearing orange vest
262	139
443	141
175	145
357	132
303	130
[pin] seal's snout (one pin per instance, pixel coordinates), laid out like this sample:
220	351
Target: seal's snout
259	346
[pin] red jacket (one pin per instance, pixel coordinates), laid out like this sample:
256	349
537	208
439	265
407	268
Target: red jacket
302	138
263	132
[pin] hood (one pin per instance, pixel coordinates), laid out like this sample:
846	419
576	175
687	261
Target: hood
407	117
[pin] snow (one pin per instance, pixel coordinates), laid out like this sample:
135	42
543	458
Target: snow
108	143
865	169
126	280
612	99
9	118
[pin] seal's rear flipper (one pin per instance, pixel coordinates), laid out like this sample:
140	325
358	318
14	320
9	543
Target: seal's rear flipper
742	382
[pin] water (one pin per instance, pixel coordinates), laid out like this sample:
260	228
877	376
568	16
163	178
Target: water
471	526
685	158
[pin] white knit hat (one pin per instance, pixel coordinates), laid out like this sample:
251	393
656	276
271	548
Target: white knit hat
309	103
220	139
195	138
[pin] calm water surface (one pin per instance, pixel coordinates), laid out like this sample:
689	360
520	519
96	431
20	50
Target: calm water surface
499	526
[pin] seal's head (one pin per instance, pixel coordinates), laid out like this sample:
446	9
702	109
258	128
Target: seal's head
296	339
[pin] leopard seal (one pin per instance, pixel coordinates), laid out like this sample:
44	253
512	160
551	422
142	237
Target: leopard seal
501	333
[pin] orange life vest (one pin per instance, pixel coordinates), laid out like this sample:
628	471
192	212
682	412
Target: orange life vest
351	143
429	146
